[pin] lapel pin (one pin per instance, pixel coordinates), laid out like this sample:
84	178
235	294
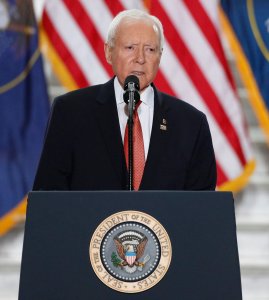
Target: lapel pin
163	125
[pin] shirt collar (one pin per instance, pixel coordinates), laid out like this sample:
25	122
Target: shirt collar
147	96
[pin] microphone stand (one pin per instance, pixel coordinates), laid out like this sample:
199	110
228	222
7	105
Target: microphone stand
131	107
131	96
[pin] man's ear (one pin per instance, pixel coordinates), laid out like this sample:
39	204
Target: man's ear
108	53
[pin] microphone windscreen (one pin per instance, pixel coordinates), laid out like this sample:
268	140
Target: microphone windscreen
131	79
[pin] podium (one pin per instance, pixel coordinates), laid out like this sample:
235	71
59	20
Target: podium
63	229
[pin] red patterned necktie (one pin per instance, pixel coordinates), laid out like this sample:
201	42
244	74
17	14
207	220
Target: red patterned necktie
138	149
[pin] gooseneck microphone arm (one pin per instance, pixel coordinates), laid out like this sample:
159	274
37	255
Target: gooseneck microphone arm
131	97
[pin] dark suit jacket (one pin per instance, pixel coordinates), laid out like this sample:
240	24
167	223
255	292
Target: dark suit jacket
83	148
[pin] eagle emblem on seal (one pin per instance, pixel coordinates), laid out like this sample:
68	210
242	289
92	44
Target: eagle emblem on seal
130	245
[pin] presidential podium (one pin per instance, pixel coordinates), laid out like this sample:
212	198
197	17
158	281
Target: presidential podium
130	245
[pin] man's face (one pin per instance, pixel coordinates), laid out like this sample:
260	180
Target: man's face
136	51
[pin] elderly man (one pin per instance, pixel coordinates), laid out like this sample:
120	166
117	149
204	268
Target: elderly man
84	145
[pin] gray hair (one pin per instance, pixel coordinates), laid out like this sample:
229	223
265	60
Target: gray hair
134	14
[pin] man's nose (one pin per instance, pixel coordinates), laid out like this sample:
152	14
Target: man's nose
140	56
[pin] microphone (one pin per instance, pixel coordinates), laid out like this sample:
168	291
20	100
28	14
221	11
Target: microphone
131	90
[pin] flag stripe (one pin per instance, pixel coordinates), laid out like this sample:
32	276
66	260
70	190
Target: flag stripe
59	67
129	4
114	6
100	9
211	68
180	80
63	52
91	34
211	34
91	67
202	85
210	8
221	175
163	84
206	59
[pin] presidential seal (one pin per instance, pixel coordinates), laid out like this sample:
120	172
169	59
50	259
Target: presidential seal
130	251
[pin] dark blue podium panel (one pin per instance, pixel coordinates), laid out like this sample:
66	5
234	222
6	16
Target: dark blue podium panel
60	225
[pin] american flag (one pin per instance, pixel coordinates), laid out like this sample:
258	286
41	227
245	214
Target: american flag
193	65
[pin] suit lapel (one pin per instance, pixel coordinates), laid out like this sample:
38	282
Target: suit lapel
157	140
108	120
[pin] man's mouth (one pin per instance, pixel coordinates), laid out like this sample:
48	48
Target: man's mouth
137	73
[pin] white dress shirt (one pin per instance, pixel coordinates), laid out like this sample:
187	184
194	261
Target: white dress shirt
145	112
